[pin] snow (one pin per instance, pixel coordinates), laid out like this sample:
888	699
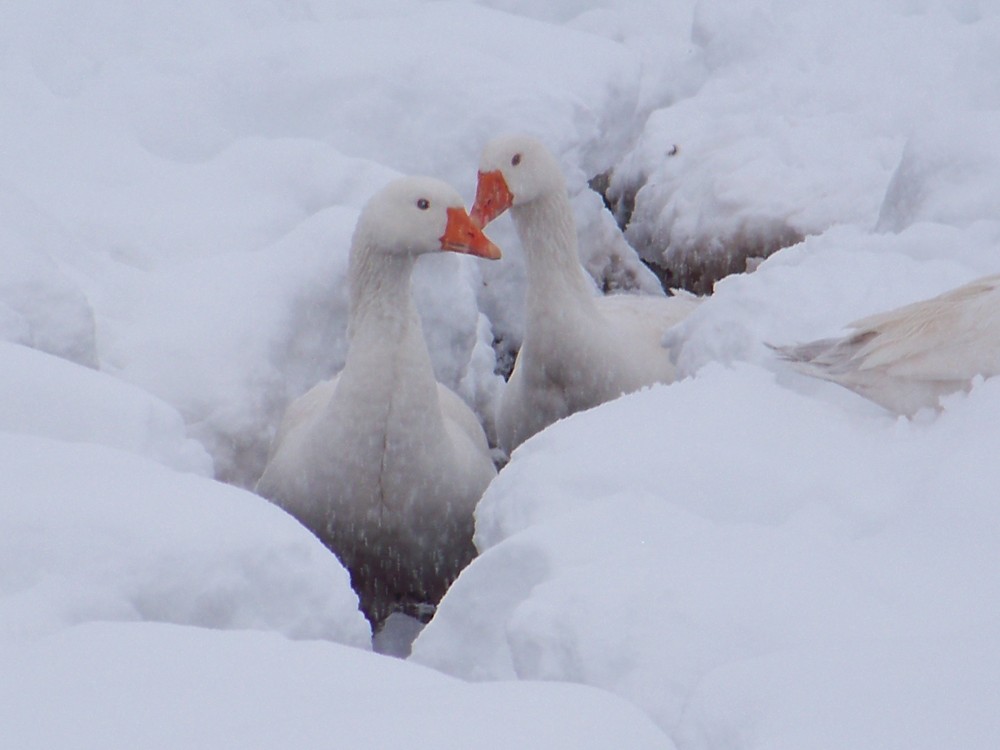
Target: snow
93	533
811	533
746	558
51	397
163	686
801	113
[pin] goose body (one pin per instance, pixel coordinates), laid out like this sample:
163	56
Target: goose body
579	349
383	463
907	358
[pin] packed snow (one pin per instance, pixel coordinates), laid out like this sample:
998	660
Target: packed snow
154	686
746	558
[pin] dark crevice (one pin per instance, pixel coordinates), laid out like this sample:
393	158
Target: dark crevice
699	267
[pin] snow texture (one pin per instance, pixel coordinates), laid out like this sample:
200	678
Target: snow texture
747	558
161	686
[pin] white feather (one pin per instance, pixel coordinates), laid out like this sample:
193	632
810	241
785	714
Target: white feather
906	359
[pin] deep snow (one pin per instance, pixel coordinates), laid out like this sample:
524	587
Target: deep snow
751	558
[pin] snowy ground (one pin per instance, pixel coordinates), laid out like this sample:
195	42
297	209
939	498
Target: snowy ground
744	559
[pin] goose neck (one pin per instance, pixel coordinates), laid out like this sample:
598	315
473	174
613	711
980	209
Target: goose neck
387	357
380	295
547	232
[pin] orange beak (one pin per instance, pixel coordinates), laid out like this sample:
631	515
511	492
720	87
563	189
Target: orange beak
462	236
493	197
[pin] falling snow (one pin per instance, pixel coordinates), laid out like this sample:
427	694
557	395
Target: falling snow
746	558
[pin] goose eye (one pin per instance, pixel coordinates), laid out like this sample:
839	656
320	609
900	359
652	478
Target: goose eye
515	160
423	204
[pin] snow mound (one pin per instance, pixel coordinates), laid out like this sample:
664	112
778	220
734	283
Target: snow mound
946	179
795	121
50	397
728	523
40	306
92	533
162	686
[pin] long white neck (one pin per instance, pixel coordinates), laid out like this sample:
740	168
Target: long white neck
387	357
556	280
380	298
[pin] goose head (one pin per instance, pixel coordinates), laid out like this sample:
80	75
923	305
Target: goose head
417	215
513	171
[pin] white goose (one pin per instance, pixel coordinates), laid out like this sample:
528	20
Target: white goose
579	349
384	464
907	358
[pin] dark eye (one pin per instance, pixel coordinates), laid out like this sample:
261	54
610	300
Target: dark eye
423	204
515	160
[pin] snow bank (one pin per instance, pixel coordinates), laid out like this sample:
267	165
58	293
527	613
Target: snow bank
753	558
92	533
40	306
797	120
778	699
159	686
947	174
730	525
49	397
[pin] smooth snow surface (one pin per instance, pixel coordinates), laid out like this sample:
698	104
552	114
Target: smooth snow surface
92	533
161	686
819	536
753	559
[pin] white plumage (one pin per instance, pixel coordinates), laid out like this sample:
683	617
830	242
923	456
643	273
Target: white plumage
579	349
382	463
906	359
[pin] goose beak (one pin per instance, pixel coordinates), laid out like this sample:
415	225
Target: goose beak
461	235
493	197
